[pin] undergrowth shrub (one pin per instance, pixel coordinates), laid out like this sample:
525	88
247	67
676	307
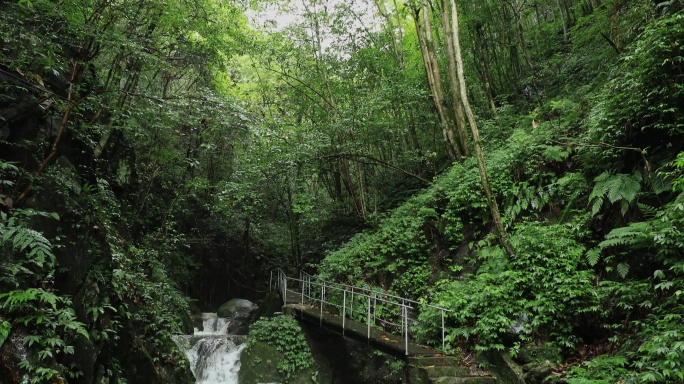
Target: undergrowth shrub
650	347
28	303
284	333
641	106
533	295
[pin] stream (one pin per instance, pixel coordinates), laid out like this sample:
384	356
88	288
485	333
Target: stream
214	354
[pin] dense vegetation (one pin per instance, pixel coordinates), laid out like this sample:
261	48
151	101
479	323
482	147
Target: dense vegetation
283	333
520	162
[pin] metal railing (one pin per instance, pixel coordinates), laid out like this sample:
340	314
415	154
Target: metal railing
377	309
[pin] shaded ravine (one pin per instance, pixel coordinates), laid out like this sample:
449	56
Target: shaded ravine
214	354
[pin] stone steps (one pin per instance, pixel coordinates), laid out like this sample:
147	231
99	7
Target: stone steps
446	370
464	380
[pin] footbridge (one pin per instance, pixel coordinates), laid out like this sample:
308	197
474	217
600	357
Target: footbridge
384	320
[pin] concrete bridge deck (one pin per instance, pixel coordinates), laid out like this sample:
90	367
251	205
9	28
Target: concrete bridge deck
384	341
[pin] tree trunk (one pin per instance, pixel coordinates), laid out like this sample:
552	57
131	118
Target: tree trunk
517	12
396	43
486	77
565	26
401	35
435	79
493	206
453	80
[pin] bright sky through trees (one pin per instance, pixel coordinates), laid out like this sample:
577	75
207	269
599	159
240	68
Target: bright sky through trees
360	16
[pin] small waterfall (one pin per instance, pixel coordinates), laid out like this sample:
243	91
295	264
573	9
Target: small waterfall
213	353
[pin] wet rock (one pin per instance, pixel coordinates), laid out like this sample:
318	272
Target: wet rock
241	330
12	353
259	364
268	306
538	353
238	309
537	372
555	379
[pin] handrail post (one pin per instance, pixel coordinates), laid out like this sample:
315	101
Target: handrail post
368	318
307	280
442	330
344	308
406	329
403	314
284	289
320	320
351	306
375	307
301	286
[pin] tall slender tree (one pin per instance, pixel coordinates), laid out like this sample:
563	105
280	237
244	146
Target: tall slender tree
427	48
493	206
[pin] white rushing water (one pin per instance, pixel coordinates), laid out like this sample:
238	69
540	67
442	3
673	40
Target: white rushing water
213	353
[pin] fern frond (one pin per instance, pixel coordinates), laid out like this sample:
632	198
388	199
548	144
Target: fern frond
648	211
598	203
593	256
621	188
623	269
635	235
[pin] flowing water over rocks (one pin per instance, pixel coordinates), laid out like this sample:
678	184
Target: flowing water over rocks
214	354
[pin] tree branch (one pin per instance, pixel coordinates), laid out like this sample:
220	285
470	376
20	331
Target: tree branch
357	156
612	43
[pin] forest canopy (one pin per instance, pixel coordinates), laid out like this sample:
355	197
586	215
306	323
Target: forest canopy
518	162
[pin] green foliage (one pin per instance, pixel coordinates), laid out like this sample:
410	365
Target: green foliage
189	137
641	105
656	56
615	188
660	358
283	333
537	293
658	354
678	163
406	232
29	305
5	328
604	369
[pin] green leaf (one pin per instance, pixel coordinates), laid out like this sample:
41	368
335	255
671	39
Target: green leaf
31	339
623	269
5	329
593	256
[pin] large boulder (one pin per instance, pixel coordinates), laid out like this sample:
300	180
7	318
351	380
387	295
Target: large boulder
238	309
538	362
259	364
537	353
271	304
538	372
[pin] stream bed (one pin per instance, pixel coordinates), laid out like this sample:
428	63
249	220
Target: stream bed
213	352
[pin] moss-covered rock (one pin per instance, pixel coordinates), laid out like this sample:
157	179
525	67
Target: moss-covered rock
531	353
537	372
259	364
271	304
